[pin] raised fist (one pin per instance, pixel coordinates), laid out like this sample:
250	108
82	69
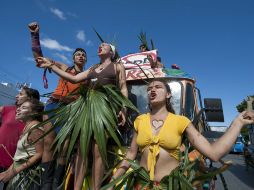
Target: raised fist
33	27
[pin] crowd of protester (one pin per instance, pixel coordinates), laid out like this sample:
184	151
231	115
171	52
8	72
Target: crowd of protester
29	128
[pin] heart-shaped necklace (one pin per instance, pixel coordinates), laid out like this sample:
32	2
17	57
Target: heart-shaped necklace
157	124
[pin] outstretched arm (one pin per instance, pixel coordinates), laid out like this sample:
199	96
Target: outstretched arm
47	63
223	145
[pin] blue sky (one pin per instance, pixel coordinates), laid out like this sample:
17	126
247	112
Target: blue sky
212	40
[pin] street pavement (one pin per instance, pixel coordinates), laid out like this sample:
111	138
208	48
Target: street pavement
237	178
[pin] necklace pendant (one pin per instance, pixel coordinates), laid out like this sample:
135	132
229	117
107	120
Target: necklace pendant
157	124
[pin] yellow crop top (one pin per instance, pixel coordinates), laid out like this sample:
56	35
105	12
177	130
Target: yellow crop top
169	137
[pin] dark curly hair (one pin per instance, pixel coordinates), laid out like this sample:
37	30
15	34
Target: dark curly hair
32	93
37	108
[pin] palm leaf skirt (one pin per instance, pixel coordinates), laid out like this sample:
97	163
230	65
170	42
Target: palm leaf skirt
92	116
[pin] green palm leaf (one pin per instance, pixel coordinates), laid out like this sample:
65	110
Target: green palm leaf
98	35
119	99
93	113
76	131
142	38
152	44
129	177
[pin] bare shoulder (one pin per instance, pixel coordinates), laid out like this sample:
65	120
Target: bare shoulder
35	134
119	66
1	109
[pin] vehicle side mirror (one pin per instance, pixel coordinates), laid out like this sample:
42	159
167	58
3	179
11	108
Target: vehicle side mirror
213	110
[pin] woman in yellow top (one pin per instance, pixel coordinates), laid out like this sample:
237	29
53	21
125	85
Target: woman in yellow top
158	134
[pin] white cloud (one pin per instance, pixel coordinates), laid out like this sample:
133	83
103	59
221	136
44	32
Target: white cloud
53	44
62	57
74	15
89	43
81	35
30	59
58	13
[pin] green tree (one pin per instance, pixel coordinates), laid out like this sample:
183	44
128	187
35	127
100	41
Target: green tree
241	107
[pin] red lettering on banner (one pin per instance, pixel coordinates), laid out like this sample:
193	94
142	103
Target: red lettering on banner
139	74
130	75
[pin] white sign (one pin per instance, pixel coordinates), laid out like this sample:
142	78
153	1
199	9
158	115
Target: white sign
134	61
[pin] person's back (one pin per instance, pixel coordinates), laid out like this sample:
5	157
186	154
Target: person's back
10	131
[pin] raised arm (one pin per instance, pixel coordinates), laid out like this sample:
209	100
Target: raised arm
36	46
223	145
35	37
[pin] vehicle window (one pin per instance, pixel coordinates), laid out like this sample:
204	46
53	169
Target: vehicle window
239	139
189	102
138	96
176	90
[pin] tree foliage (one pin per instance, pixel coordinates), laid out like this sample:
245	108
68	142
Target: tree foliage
243	105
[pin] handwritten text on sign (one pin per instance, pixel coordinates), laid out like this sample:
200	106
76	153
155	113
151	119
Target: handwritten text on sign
133	61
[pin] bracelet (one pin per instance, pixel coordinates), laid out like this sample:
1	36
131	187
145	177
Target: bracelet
51	63
46	60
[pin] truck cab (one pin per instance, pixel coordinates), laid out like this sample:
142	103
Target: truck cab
186	97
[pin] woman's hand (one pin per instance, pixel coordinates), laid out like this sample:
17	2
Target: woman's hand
34	27
245	118
43	62
121	117
7	176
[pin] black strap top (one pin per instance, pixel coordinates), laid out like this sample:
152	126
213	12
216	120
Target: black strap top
106	76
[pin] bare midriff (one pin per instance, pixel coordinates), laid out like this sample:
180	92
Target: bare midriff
164	164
